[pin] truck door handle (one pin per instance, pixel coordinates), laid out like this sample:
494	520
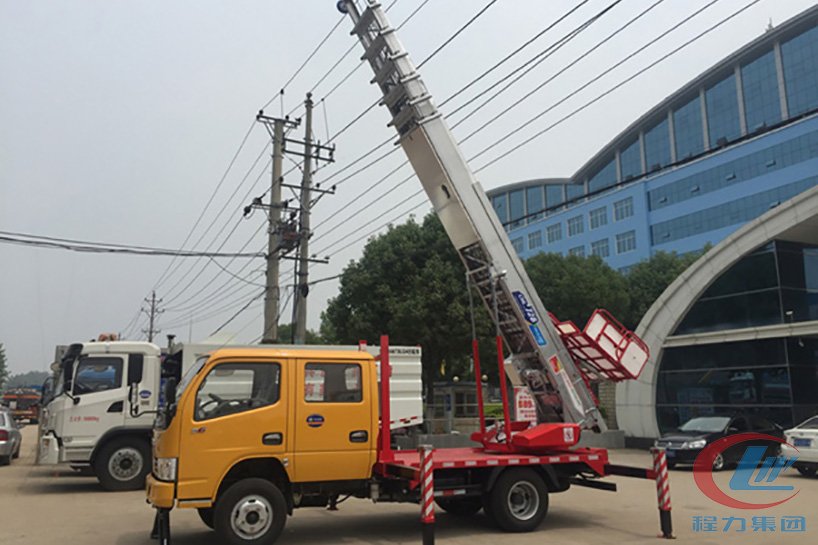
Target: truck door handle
116	407
272	439
358	436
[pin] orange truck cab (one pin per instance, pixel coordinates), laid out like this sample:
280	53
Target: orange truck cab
253	433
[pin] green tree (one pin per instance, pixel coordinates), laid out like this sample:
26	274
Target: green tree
4	371
30	378
649	278
573	287
410	284
285	335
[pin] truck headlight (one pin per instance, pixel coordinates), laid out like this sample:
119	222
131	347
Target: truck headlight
699	443
164	469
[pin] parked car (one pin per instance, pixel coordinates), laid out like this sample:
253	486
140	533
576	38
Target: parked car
10	437
683	445
804	437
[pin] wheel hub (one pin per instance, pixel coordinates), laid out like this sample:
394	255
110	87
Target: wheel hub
523	500
125	464
251	517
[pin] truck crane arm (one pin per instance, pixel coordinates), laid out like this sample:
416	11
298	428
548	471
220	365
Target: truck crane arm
549	367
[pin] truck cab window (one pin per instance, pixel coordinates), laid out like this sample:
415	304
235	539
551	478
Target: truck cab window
232	388
98	375
332	383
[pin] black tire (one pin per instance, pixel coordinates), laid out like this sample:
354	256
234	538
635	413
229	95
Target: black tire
518	501
123	464
17	451
206	514
671	465
807	471
460	507
251	512
5	460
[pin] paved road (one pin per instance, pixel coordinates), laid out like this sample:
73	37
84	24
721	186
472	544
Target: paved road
39	505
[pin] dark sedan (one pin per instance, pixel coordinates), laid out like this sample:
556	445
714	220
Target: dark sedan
684	445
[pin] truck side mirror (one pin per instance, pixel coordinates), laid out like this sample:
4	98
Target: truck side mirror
76	400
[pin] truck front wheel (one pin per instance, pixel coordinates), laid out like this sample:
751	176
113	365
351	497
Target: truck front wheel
251	512
123	464
518	501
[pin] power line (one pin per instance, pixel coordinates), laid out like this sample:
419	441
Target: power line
100	247
209	202
451	38
610	90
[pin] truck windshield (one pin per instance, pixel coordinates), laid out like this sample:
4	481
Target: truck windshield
189	374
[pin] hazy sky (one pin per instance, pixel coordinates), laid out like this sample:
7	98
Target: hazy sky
118	119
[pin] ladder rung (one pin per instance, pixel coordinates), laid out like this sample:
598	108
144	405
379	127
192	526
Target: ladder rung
377	46
366	19
395	95
404	116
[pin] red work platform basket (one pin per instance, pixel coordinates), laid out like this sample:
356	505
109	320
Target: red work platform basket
605	349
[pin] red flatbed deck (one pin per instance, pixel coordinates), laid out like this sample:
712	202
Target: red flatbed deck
459	458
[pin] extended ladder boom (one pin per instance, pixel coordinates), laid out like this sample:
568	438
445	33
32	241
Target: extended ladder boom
538	353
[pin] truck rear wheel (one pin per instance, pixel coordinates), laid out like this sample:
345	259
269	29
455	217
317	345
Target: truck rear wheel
123	464
251	512
518	501
461	507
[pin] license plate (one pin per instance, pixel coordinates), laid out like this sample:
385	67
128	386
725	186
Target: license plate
670	453
802	442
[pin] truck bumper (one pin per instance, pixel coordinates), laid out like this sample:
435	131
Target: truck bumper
160	493
49	451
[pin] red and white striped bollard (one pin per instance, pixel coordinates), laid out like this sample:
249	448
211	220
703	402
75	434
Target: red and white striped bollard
662	491
427	494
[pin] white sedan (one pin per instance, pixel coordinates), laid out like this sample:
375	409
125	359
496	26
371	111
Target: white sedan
803	437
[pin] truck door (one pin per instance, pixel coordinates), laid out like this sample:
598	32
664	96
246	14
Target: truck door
99	392
239	412
333	440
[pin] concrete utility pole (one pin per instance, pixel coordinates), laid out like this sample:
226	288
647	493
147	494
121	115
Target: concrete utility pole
303	288
152	313
273	293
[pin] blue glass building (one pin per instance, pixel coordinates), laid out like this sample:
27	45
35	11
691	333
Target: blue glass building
738	140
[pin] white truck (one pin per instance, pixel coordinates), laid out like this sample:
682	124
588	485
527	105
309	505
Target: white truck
106	396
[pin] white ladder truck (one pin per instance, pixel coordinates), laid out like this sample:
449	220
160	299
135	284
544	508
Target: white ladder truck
554	360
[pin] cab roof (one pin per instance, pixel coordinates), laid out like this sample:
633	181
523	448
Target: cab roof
282	352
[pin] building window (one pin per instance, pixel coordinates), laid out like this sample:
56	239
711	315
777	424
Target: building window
554	195
575	226
722	112
579	251
657	146
623	209
553	233
534	240
630	161
516	205
687	127
534	203
500	203
600	248
599	217
574	191
604	178
732	213
626	242
517	243
759	80
800	59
